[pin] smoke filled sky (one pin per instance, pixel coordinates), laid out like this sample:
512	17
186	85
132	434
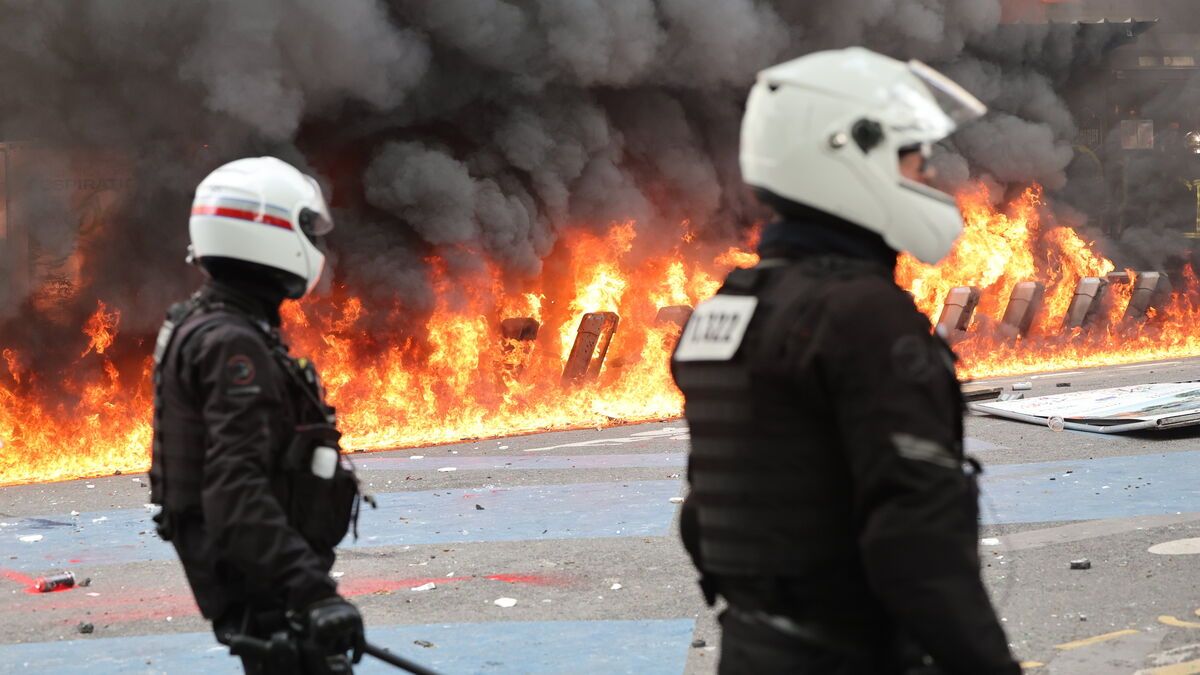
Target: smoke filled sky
474	126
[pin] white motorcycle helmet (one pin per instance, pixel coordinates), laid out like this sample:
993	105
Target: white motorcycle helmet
260	214
826	131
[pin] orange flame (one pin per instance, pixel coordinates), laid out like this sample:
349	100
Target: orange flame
404	379
102	329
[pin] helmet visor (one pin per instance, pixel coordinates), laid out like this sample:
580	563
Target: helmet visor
956	103
314	223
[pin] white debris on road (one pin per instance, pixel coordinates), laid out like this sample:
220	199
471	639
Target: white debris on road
505	602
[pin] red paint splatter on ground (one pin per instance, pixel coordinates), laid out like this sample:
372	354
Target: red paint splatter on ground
127	607
13	575
530	579
358	586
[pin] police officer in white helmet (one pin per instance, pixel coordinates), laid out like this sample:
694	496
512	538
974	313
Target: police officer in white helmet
831	504
245	462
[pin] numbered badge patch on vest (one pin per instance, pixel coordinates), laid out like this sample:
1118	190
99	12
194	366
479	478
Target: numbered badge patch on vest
716	328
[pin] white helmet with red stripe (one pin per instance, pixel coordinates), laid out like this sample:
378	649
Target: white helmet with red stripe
261	214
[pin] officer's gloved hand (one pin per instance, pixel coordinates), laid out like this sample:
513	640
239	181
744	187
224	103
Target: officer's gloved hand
329	629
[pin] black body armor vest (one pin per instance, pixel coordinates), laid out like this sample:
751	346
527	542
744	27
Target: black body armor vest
321	509
770	481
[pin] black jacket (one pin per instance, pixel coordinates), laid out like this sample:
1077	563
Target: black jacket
224	416
827	471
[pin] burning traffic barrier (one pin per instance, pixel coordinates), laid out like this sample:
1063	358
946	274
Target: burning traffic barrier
674	314
1151	293
592	340
521	329
1024	305
958	312
1087	305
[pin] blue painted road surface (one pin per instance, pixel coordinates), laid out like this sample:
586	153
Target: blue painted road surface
641	647
1089	489
571	511
672	460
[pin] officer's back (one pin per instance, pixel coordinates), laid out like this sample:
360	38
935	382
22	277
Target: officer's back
829	504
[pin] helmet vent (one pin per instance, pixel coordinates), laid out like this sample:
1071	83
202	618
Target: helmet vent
867	134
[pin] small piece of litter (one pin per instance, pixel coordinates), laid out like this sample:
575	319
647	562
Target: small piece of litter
615	587
697	644
30	538
423	643
1062	384
74	513
86	628
676	500
91	487
87	581
170	619
478	507
1022	386
101	519
93	595
990	541
424	587
417	457
504	447
1081	564
505	602
337	575
448	468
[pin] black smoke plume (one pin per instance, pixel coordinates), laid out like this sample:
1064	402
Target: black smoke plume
462	128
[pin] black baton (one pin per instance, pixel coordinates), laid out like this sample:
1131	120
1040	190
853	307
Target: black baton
398	661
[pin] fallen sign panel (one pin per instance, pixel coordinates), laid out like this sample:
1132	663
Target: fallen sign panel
1108	411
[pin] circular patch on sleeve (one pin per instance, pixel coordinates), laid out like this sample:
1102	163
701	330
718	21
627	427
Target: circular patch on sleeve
240	370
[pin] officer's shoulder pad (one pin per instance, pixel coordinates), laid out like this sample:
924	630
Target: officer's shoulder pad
227	331
874	301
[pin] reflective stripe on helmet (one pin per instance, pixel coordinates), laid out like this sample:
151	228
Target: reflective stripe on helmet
240	214
243	209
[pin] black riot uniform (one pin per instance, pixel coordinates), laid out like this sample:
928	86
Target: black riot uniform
830	502
236	424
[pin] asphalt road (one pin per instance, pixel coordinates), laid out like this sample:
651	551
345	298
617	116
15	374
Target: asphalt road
579	529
